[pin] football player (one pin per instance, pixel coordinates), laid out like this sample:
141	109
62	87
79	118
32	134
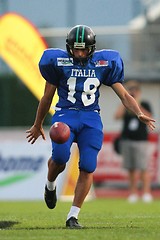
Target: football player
77	74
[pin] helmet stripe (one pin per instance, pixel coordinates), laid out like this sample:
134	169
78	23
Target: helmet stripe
82	30
82	40
77	34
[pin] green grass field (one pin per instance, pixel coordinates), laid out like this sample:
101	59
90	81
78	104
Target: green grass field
102	219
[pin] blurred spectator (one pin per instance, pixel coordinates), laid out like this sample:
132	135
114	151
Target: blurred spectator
133	145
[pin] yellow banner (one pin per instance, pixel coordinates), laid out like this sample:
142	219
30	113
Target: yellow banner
21	47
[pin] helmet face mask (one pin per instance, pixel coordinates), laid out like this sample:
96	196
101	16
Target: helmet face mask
81	37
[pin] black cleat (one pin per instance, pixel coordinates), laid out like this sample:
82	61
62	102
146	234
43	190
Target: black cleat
50	198
72	223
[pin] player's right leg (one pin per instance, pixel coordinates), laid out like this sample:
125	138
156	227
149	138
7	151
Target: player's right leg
56	165
54	170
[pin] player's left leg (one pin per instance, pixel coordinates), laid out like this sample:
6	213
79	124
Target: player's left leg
89	143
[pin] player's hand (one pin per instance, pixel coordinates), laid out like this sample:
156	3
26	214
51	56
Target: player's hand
34	132
147	120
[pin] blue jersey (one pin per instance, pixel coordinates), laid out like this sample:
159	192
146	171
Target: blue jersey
78	86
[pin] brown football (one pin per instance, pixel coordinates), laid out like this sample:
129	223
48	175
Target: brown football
59	132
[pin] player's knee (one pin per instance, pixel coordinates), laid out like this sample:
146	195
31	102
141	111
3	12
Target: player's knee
88	160
61	155
89	167
52	165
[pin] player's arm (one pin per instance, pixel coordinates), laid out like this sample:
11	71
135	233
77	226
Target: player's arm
44	105
146	111
130	103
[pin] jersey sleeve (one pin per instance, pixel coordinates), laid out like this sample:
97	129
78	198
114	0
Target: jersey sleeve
47	68
116	73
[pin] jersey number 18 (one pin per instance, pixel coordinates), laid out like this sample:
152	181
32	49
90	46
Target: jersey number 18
88	94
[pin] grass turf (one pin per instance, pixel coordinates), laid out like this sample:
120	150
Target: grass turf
110	219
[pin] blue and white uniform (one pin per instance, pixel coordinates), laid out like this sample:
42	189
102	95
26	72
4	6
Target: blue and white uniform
78	91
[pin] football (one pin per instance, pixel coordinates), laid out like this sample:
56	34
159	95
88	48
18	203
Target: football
59	132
